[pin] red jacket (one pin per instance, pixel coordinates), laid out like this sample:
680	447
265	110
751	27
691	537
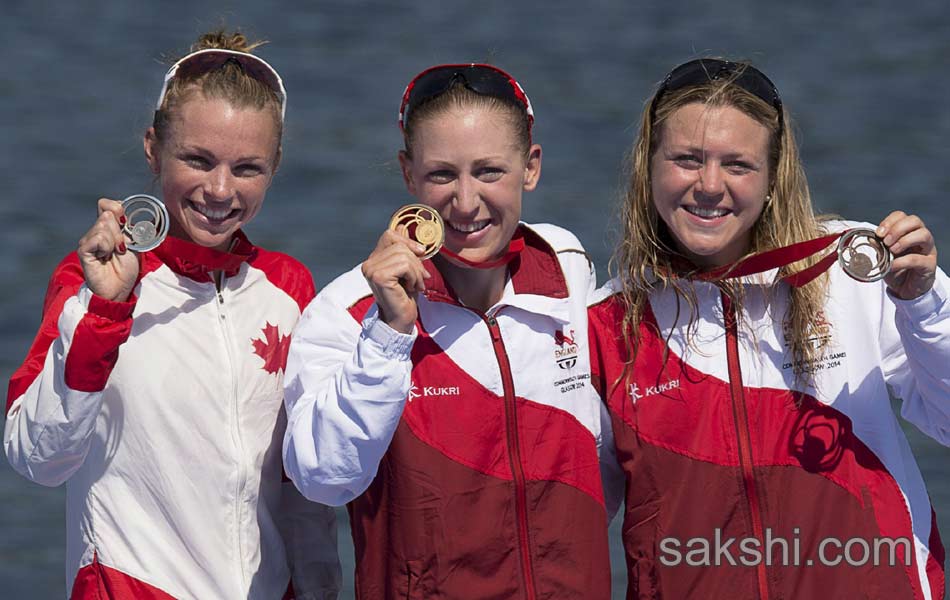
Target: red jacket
718	443
468	454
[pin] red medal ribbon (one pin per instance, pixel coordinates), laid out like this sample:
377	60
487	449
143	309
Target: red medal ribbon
780	257
514	249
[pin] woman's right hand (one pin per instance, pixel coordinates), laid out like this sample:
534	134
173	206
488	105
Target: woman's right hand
110	270
395	274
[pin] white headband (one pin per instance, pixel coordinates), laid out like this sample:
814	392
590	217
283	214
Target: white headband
211	58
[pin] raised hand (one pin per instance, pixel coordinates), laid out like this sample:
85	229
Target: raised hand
395	274
915	255
110	270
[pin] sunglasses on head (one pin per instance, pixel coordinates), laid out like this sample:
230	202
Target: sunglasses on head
209	59
704	70
482	79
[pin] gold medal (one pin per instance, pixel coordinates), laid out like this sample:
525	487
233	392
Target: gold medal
423	225
146	222
863	255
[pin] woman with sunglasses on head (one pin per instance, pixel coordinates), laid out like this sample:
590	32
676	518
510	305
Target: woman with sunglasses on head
447	400
153	388
747	375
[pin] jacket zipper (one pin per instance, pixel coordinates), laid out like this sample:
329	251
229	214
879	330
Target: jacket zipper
741	416
514	455
235	431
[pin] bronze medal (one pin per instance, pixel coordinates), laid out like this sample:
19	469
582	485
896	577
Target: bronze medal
863	255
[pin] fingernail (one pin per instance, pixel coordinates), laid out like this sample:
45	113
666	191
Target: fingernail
121	247
122	220
420	248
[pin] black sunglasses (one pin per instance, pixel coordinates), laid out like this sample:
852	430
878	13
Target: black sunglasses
704	70
486	80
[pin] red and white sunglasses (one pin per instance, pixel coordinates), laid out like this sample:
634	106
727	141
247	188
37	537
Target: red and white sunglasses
483	79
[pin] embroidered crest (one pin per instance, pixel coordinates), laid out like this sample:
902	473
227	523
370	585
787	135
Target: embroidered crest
565	351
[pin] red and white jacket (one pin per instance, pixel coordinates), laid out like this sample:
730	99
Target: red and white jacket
718	442
468	450
163	416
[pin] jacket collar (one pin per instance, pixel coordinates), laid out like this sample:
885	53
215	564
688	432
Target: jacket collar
199	262
536	281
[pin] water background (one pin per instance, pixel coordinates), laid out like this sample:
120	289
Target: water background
867	85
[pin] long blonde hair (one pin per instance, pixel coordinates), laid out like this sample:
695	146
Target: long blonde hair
646	258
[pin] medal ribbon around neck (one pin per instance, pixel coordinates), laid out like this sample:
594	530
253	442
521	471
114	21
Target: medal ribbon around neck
860	253
514	249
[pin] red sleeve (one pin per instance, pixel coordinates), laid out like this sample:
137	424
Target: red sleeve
596	351
608	351
95	348
92	354
63	284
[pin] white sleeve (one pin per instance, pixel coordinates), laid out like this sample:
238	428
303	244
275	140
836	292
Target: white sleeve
345	387
49	425
916	351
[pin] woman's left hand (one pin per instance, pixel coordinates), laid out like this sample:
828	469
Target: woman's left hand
915	255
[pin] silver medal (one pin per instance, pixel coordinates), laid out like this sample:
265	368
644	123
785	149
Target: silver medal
146	222
863	255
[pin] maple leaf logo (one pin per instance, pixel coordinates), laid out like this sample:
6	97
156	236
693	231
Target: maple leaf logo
273	348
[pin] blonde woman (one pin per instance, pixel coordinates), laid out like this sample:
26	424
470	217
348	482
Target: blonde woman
445	400
748	380
153	388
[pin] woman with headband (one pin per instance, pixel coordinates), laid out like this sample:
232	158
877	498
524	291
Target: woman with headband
748	375
153	388
447	399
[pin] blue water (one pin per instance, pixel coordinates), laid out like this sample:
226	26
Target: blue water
867	87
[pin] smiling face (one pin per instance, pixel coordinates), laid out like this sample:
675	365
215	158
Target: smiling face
709	180
467	164
214	168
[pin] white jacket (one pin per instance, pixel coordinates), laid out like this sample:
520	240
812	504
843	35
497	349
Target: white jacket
163	416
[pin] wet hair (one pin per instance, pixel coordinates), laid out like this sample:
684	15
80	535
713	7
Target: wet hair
459	96
646	258
228	82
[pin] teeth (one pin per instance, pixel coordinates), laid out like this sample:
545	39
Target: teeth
214	215
706	213
469	227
